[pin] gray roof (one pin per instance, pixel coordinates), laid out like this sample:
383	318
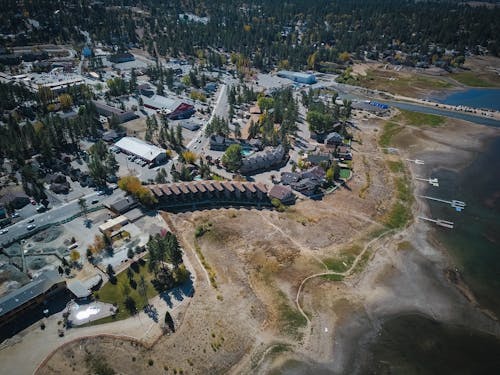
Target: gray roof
78	289
33	289
124	204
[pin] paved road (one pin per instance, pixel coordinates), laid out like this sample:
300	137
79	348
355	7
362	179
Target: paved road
354	92
54	215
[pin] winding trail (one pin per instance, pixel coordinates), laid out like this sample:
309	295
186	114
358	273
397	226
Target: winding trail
295	242
345	273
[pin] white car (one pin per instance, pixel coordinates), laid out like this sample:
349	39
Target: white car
3	231
31	226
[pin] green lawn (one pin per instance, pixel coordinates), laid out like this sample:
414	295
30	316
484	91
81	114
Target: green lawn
470	79
418	119
114	293
390	130
397	83
345	173
395	166
290	318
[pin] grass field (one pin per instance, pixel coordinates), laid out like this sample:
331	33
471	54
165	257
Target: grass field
343	261
390	130
345	173
400	213
399	83
419	119
471	79
115	293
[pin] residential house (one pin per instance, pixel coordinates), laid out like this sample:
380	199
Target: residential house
123	205
288	178
265	159
16	199
306	186
334	139
283	193
220	143
344	152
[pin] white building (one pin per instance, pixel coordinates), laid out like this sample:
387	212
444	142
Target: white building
141	149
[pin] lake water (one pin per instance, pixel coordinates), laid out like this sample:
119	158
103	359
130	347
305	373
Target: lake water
413	344
477	98
474	244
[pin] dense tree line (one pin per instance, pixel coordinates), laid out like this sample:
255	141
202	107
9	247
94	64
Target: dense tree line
295	34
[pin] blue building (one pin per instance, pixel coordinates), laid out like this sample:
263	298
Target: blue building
379	105
298	77
86	52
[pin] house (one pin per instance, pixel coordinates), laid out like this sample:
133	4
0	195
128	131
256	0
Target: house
189	125
316	173
288	178
306	186
58	183
265	159
107	111
123	205
210	87
283	193
112	136
334	139
344	152
30	296
16	199
220	143
146	90
318	158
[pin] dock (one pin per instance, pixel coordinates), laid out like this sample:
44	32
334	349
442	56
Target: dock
457	205
433	181
440	222
416	161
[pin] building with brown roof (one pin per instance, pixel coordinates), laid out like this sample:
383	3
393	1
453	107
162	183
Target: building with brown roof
210	193
283	193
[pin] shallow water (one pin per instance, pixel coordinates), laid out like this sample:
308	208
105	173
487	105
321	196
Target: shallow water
413	344
474	243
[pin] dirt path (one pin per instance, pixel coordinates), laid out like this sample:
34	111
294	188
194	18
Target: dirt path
345	273
292	240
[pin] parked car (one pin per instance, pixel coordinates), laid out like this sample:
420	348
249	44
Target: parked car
101	192
31	226
94	201
3	231
15	214
31	220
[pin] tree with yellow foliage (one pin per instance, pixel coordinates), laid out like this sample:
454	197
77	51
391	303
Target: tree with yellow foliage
66	101
189	157
74	256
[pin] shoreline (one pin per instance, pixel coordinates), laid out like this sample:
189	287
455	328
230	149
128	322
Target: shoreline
441	269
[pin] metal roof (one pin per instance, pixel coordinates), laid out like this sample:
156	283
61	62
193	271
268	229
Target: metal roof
139	148
78	289
33	289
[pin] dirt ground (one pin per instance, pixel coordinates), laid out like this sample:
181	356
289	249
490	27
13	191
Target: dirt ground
250	265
